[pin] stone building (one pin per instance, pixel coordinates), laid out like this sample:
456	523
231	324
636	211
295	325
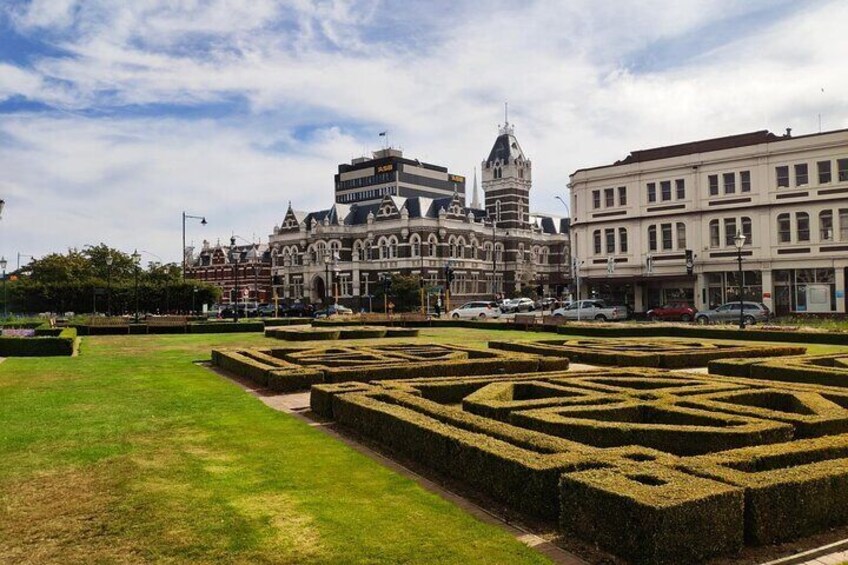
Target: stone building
637	222
248	266
406	217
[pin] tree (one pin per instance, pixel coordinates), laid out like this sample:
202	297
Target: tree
405	294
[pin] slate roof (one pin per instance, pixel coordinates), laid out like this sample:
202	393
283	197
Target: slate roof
506	149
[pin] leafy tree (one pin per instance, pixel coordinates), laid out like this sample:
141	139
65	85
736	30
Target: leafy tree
405	293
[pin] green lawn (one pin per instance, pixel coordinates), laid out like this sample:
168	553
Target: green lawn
131	452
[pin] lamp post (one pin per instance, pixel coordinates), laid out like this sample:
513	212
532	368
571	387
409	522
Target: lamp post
3	264
494	259
194	300
136	259
109	261
235	270
203	222
739	240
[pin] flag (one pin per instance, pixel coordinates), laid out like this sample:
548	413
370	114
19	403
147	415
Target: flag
383	133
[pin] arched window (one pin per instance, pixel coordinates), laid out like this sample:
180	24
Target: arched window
460	247
432	246
393	247
415	246
472	249
826	225
487	250
747	231
802	224
681	235
784	228
499	253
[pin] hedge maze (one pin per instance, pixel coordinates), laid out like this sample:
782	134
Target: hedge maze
829	370
656	467
334	333
293	369
644	353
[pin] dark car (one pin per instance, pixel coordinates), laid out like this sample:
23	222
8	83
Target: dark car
267	310
673	311
298	310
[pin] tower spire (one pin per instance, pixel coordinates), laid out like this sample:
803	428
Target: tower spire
506	113
475	198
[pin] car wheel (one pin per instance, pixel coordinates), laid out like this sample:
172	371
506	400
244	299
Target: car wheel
749	320
455	316
601	318
482	315
557	315
685	318
652	318
702	320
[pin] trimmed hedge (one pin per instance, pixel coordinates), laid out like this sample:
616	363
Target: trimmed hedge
642	353
378	362
652	514
63	344
274	322
655	330
225	327
303	334
827	370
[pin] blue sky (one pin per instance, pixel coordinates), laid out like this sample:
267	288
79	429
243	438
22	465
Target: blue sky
116	116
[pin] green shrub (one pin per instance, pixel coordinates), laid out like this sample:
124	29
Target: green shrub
274	322
225	327
652	514
63	344
363	332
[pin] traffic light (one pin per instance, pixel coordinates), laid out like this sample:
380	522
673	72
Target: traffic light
387	284
690	262
559	290
540	290
448	274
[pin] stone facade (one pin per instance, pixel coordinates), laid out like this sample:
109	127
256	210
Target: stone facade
635	222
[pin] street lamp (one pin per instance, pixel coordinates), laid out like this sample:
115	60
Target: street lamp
109	261
739	240
203	222
494	258
3	264
136	259
564	203
235	254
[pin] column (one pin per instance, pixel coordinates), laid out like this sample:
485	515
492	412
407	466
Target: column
840	289
638	297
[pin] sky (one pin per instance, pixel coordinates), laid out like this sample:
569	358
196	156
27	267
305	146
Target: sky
115	116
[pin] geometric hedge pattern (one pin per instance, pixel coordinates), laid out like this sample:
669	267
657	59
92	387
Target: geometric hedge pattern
830	369
297	368
654	466
333	333
670	354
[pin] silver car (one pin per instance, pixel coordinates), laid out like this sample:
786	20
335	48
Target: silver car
752	313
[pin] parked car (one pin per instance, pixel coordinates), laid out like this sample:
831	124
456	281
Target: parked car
333	310
752	313
297	310
516	305
267	310
591	310
673	311
476	310
549	303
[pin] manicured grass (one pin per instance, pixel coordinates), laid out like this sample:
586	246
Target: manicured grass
130	452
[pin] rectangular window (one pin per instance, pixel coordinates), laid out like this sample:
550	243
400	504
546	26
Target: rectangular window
802	221
842	169
609	235
681	235
729	183
824	172
713	179
609	197
666	236
622	196
730	232
665	189
596	199
622	240
597	241
782	174
802	178
745	181
680	188
652	192
652	238
715	234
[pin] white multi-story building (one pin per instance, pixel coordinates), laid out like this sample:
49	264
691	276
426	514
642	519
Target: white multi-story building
636	223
